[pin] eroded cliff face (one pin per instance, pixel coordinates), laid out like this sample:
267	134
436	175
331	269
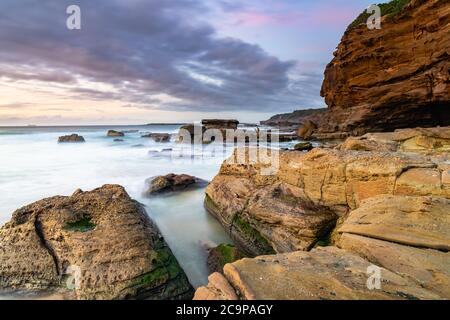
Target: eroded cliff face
395	77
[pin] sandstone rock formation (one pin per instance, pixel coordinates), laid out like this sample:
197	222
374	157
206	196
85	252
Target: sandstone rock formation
394	77
102	237
71	138
114	133
295	208
173	182
419	140
323	273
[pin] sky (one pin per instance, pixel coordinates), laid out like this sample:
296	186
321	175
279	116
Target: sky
144	61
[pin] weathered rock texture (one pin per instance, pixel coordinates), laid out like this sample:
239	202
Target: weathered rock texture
394	77
324	273
103	234
299	205
419	140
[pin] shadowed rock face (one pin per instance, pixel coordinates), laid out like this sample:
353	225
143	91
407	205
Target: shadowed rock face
395	77
103	237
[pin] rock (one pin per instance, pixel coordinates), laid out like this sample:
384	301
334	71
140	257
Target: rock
303	146
158	137
103	237
429	268
119	140
193	133
291	120
71	138
321	274
218	288
306	129
219	256
114	133
418	140
414	221
298	205
220	124
173	182
394	77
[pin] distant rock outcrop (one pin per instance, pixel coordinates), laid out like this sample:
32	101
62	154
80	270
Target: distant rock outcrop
293	119
71	138
394	77
103	239
114	133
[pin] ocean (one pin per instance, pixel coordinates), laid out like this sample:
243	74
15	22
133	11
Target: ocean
34	166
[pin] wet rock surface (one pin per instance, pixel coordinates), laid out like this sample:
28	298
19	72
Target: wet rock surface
103	238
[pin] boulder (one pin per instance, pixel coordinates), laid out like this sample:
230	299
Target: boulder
219	256
71	138
114	133
218	288
119	140
102	238
306	129
321	274
303	146
173	182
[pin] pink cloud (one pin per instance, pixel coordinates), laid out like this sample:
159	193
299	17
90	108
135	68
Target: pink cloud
260	19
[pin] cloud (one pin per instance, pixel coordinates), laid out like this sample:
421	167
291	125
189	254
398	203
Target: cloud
140	49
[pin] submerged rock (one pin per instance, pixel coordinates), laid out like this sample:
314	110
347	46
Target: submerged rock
114	133
71	138
173	182
102	238
158	137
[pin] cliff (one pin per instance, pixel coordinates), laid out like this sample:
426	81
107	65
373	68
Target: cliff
394	77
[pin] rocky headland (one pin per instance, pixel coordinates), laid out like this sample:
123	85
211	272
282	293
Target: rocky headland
389	78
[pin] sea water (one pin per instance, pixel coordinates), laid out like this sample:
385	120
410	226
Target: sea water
34	166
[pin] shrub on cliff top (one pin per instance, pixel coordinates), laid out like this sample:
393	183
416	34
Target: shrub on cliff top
387	9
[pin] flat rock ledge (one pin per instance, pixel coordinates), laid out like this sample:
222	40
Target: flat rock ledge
102	238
